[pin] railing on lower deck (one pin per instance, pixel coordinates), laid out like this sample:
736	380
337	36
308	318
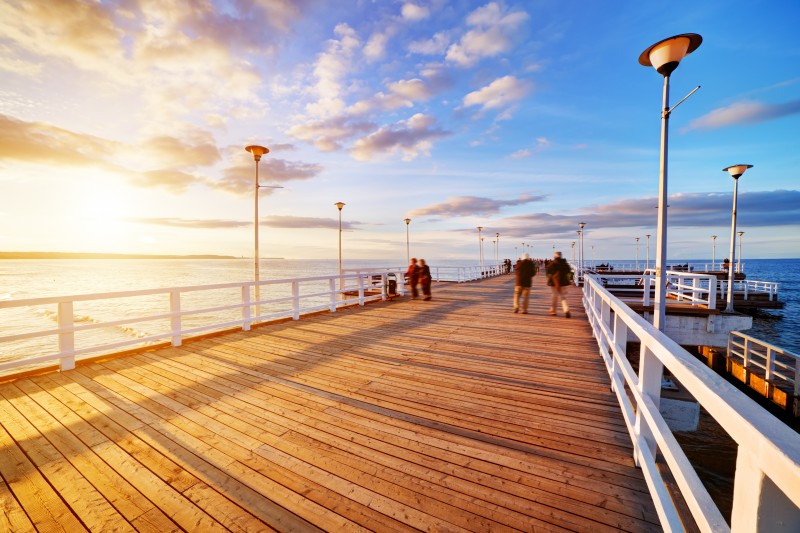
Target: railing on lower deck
766	495
779	366
321	294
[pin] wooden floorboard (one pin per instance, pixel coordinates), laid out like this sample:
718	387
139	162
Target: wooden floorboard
453	414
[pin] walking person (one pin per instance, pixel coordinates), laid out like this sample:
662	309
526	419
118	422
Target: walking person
524	270
425	279
412	275
558	272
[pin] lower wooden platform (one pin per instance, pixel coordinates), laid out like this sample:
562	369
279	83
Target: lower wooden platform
446	415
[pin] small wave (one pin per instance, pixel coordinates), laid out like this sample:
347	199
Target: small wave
132	332
6	296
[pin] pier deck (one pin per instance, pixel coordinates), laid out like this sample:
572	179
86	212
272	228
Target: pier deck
448	415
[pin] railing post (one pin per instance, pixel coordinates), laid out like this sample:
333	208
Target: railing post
332	284
66	339
401	280
746	360
712	292
384	288
361	290
175	316
769	369
759	506
618	349
296	300
245	308
651	370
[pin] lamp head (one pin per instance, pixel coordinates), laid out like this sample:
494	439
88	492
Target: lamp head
407	221
736	170
578	231
480	228
582	224
740	233
339	205
666	54
257	151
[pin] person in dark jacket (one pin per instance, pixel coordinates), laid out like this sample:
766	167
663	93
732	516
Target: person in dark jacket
558	272
525	269
412	275
425	279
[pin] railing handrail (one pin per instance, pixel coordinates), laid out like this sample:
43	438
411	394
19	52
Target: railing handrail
766	446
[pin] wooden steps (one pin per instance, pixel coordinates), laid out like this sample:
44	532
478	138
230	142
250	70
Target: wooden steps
448	415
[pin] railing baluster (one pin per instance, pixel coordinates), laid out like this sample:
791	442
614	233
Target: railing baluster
334	294
361	290
246	307
66	339
175	316
650	374
296	300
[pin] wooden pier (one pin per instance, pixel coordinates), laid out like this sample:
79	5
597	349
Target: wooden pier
448	415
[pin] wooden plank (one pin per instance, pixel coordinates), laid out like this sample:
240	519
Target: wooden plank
12	515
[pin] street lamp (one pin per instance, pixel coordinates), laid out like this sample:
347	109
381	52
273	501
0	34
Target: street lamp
739	260
582	225
713	250
736	172
480	249
408	254
497	249
573	252
637	253
665	56
648	251
257	152
339	206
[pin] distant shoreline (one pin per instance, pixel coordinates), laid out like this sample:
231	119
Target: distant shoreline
73	255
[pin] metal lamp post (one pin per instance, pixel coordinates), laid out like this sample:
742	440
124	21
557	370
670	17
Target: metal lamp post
573	252
257	152
637	253
408	253
736	172
665	56
739	259
497	249
339	206
582	225
713	251
480	249
648	252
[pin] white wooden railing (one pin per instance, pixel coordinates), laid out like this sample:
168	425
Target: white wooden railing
682	286
458	274
322	292
746	287
776	363
633	266
766	495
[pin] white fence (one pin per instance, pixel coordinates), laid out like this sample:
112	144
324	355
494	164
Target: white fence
457	274
767	480
778	365
294	297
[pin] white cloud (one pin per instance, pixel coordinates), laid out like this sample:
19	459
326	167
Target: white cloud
521	154
499	93
433	46
490	36
744	113
413	12
330	68
376	46
410	137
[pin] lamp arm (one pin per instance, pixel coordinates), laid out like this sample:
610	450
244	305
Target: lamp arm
682	100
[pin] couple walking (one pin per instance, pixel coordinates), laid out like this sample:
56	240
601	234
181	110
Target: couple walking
419	274
557	278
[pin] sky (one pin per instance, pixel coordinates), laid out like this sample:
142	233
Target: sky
123	126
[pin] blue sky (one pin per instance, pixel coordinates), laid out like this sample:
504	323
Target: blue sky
124	125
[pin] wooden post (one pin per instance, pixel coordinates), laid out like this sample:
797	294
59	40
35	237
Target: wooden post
296	300
361	290
332	284
650	372
245	308
66	339
759	506
175	316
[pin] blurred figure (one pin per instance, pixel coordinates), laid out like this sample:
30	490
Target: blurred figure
425	279
524	270
558	272
412	275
